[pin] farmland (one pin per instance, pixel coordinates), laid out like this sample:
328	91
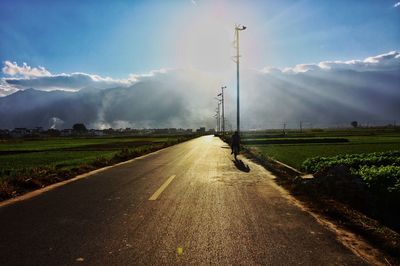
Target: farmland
295	148
66	152
358	167
27	164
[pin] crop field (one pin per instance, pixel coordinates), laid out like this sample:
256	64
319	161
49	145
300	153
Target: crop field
358	167
29	164
295	148
372	157
67	153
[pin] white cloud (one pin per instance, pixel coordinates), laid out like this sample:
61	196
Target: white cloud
152	73
12	69
74	81
302	68
271	70
24	77
327	93
5	88
387	61
397	4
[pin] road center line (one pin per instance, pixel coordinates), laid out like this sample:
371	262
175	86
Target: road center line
162	188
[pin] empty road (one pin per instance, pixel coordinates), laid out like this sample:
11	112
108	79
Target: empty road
187	204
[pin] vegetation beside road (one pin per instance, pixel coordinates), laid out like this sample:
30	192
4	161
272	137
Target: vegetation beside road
356	182
295	154
28	164
368	161
379	170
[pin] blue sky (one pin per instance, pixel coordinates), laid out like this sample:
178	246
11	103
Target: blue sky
117	38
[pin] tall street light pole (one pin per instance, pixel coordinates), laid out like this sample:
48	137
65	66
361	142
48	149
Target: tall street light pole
223	108
218	111
238	28
219	116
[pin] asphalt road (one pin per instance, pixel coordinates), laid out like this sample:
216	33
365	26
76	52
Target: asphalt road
187	204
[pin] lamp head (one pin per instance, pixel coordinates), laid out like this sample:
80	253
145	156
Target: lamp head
240	27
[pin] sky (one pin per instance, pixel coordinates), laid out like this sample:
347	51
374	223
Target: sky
118	38
184	48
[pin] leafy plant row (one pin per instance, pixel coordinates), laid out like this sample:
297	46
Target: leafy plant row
379	170
354	161
381	177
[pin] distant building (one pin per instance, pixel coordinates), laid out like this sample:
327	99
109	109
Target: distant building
96	132
201	130
4	133
37	130
19	132
66	132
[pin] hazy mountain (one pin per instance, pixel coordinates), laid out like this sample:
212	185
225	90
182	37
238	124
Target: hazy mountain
324	94
154	102
321	98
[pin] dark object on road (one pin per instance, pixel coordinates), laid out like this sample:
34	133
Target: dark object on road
241	166
235	144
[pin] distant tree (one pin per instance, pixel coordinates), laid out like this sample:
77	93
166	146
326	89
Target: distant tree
354	124
79	128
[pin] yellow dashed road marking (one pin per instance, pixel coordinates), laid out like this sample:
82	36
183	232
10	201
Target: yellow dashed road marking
162	188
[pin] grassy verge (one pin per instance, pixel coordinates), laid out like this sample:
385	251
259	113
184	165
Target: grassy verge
31	164
294	148
295	155
344	215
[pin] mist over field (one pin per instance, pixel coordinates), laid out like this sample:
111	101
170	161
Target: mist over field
325	93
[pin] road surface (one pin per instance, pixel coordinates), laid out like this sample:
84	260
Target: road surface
187	204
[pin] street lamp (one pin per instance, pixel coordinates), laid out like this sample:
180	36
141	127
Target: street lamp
216	117
223	108
238	28
218	114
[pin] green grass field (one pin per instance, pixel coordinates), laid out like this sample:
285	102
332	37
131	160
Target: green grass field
66	153
359	141
29	164
60	143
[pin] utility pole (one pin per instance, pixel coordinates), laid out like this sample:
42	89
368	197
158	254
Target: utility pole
216	117
218	113
223	108
237	29
219	116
